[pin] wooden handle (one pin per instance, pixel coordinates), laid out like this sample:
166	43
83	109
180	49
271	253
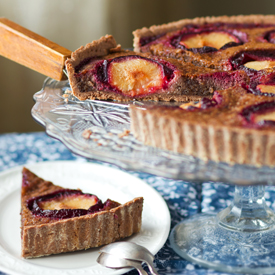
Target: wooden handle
32	50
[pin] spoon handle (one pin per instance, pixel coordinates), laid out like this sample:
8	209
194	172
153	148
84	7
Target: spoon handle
139	268
151	267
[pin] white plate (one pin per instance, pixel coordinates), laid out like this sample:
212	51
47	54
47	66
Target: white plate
92	178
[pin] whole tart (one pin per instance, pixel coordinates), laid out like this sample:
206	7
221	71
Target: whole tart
56	220
102	70
234	126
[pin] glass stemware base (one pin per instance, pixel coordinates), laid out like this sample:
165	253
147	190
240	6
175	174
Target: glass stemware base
240	238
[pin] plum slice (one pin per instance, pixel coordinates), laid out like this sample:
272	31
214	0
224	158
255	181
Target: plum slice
67	203
204	41
254	60
209	39
263	88
270	36
136	75
260	65
133	75
266	89
258	115
203	104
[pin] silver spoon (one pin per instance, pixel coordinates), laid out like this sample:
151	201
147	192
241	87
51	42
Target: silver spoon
131	251
111	261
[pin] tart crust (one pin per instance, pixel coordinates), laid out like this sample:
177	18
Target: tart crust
41	236
215	134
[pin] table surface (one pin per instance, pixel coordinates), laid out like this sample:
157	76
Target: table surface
183	198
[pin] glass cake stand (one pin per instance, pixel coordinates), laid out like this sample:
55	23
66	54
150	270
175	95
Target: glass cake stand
240	238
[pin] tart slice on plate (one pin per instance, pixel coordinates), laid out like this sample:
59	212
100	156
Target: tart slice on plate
56	220
102	70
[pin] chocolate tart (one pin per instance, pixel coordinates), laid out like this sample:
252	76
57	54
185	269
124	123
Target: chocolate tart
235	127
102	70
56	220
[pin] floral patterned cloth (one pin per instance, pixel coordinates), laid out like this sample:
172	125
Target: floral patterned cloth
183	198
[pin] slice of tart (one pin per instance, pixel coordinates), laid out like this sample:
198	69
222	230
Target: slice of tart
235	126
56	220
102	70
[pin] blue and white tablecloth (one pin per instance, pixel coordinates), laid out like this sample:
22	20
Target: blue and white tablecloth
183	198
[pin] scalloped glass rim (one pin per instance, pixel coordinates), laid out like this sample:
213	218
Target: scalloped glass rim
66	118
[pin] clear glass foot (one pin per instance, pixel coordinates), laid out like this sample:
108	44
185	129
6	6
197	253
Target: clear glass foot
240	238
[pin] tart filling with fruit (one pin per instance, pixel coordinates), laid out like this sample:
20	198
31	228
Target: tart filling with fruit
254	60
259	115
67	203
101	70
56	220
266	89
208	41
129	75
235	126
205	41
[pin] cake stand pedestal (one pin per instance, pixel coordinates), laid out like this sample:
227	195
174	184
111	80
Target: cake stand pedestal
240	238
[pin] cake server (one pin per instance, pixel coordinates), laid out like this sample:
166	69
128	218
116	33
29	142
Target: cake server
112	261
32	50
131	251
42	55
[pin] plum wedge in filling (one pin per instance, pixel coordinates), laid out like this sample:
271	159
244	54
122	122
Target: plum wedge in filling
57	220
260	115
67	203
234	126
